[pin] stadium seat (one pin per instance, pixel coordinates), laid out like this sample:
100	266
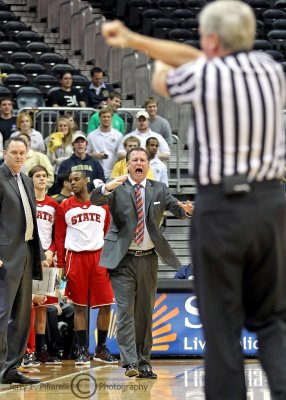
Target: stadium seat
194	42
6	16
259	6
262	44
148	17
162	26
135	9
180	35
11	28
51	59
26	37
32	69
260	29
168	6
80	81
45	82
19	58
7	68
37	48
280	4
195	5
14	81
59	68
276	55
29	96
279	24
3	6
5	91
7	48
277	38
181	14
271	15
192	25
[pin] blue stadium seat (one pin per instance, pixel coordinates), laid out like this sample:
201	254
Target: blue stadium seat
32	69
51	59
162	26
148	17
11	28
45	82
180	35
19	58
59	68
14	81
7	68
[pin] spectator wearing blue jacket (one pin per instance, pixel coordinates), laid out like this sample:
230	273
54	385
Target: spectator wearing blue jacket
80	161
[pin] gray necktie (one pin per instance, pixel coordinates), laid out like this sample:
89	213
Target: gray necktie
27	210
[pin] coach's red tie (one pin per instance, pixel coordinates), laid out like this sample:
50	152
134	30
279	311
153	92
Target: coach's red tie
139	231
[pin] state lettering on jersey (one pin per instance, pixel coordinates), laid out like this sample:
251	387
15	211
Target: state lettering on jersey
44	215
83	217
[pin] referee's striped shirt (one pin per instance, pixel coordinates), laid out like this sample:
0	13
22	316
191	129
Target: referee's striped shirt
237	104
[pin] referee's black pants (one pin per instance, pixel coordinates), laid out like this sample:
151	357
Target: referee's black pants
239	255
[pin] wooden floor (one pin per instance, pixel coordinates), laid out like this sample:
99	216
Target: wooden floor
177	379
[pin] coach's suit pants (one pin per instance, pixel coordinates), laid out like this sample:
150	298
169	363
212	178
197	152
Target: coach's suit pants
134	283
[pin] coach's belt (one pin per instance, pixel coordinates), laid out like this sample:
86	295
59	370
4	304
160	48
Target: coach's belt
141	253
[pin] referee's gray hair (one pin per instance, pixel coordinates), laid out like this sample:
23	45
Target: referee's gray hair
232	20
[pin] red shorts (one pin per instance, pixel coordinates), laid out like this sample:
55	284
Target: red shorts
87	283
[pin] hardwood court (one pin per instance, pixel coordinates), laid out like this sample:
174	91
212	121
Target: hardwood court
177	379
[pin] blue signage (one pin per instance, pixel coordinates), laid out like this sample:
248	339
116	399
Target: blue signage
177	329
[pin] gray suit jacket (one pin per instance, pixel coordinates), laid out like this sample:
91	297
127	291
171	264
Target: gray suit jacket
122	205
13	225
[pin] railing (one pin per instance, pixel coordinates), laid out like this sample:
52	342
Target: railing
44	120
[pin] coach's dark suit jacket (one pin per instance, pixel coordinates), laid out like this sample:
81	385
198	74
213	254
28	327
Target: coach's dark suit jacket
21	262
13	225
122	205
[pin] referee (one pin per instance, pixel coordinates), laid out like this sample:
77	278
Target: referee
238	155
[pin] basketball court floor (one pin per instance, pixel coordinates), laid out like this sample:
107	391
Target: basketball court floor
177	379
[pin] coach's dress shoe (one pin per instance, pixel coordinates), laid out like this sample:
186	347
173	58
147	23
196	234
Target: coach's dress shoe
145	372
131	370
15	376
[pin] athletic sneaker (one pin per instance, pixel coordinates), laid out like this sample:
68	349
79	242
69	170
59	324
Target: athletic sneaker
83	357
29	361
103	354
44	357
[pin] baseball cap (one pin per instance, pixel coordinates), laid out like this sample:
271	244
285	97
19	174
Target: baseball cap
78	134
142	114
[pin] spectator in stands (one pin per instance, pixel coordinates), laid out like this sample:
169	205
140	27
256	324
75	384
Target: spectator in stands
158	167
65	187
143	132
157	123
80	161
114	102
46	213
72	120
120	167
7	120
80	230
66	96
96	94
60	143
37	158
103	142
24	124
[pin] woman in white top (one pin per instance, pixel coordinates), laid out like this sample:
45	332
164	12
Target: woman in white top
60	146
24	125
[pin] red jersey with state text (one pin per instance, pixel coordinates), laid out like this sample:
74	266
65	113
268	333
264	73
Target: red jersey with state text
46	213
80	226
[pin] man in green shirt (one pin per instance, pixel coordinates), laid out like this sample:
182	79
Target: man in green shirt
114	102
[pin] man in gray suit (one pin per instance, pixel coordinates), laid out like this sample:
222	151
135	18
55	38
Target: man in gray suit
130	254
20	260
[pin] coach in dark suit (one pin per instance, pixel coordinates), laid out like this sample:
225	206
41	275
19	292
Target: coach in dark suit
132	266
20	260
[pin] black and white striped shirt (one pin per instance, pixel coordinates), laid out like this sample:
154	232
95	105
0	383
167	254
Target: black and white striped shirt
237	104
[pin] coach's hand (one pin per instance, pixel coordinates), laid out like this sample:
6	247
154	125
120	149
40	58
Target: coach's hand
187	207
114	183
